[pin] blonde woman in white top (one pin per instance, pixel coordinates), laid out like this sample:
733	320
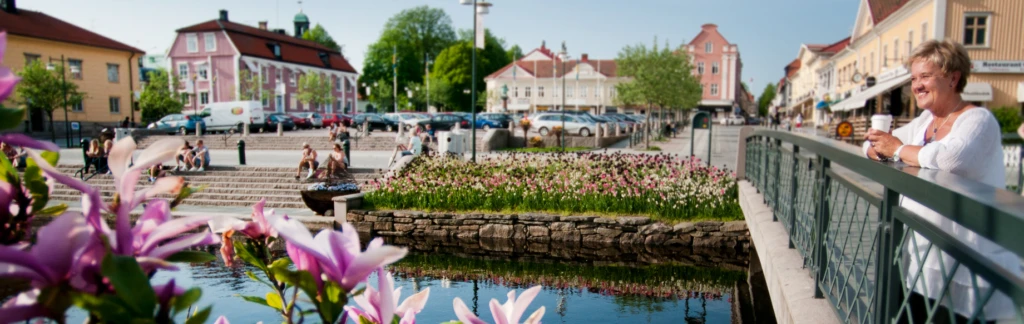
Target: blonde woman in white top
958	137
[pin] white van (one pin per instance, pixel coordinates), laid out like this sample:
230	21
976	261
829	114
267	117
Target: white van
224	116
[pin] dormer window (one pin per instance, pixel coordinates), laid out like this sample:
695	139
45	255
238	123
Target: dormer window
325	58
275	49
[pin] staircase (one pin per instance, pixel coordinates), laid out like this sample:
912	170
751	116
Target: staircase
225	186
289	143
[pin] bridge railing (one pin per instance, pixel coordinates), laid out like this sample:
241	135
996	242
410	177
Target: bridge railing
873	258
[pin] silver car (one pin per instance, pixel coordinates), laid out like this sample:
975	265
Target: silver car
574	124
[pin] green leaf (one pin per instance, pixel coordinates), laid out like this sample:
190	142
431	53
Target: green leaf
274	300
186	299
8	170
199	316
245	253
191	257
52	210
254	299
252	275
11	117
131	283
333	302
185	192
51	157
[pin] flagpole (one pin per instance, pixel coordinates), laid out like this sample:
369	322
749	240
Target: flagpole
394	69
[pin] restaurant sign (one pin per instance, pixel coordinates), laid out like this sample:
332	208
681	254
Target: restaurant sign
978	66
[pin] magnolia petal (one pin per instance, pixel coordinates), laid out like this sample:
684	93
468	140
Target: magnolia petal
298	235
305	261
22	308
68	236
171	228
3	44
165	292
62	178
119	158
159	152
408	317
152	217
221	224
172	247
414	303
535	317
222	320
366	262
386	302
14	262
463	314
522	303
25	141
261	220
7	82
369	308
164	185
149	264
355	314
499	313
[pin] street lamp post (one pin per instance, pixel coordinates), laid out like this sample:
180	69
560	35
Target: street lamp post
564	55
480	8
64	94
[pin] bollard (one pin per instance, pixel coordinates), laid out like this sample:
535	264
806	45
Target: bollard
199	130
366	128
85	149
597	135
245	130
348	152
241	152
280	129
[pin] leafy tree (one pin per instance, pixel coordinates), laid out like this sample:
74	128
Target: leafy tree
314	89
440	93
416	33
658	76
158	99
493	52
767	95
453	66
42	89
514	53
319	35
382	95
1008	117
249	86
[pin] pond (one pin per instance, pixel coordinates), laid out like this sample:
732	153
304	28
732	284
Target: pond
581	283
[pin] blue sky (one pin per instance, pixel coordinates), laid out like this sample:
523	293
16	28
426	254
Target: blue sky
768	32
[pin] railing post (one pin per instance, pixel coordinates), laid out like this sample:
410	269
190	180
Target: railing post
778	183
764	166
793	192
888	282
821	221
1020	169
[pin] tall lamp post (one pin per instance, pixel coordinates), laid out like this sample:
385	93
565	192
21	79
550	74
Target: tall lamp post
64	94
478	8
563	55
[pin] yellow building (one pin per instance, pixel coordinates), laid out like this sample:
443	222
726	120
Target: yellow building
104	69
871	70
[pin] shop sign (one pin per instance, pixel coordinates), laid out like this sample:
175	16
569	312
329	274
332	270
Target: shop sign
980	66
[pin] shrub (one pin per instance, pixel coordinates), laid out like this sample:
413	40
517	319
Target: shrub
1008	118
536	141
555	131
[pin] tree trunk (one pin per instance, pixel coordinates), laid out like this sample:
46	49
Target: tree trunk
53	132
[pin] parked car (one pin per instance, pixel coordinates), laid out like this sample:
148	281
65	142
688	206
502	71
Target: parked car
233	115
313	119
754	120
492	120
286	121
178	123
335	119
573	124
733	120
373	121
621	118
443	122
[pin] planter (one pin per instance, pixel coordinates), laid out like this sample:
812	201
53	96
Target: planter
320	201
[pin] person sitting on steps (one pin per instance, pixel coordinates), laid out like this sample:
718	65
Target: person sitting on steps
93	156
308	160
335	161
200	157
156	171
415	146
182	157
108	145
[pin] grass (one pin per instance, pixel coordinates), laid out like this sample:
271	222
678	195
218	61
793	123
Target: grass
544	149
653	148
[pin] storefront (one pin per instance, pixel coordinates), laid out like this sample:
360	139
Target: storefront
978	93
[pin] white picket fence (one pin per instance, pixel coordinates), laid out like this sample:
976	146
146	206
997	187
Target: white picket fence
1011	159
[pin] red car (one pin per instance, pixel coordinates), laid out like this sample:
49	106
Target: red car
300	122
335	119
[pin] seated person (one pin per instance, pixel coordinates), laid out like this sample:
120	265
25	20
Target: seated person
93	155
182	157
340	133
415	146
156	171
107	146
429	134
308	160
12	154
200	157
336	161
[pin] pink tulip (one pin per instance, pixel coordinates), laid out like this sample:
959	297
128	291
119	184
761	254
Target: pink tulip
381	305
508	313
336	253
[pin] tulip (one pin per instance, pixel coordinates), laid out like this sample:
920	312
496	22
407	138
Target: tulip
507	313
381	305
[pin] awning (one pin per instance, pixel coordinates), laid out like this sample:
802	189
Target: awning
858	100
977	91
1020	92
821	105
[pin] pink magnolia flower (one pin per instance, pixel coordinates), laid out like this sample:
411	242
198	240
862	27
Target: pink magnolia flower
508	313
7	79
380	305
336	253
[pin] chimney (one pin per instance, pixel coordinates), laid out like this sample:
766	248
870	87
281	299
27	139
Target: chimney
584	57
280	31
263	25
10	7
223	15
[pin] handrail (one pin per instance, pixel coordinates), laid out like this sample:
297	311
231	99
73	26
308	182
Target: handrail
938	190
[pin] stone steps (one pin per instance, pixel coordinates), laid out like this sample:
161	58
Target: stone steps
291	143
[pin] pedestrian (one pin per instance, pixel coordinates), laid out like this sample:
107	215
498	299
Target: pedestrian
125	123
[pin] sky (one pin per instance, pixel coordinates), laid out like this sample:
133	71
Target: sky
768	32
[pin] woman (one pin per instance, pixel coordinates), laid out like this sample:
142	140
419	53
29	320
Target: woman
335	161
105	154
958	137
184	154
93	155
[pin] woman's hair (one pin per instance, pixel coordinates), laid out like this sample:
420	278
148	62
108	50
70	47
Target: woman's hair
337	146
94	143
948	56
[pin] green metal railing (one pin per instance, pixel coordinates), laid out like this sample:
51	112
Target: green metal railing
871	257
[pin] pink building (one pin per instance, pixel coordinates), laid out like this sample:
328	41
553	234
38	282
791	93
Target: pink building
208	58
718	64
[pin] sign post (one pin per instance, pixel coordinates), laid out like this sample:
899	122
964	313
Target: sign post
701	120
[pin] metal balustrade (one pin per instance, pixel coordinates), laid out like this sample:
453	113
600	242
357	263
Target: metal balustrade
869	256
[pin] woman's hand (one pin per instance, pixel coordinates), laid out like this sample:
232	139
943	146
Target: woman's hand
882	143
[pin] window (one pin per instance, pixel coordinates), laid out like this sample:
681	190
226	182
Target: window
186	99
291	78
115	105
871	62
211	42
540	92
515	92
611	91
910	43
714	89
337	85
76	68
278	78
896	49
77	106
976	29
266	101
29	58
597	92
263	74
112	73
924	32
204	98
183	71
201	70
192	42
583	92
714	67
707	47
700	68
568	92
885	55
527	92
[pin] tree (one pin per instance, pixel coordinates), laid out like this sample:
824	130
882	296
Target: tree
453	66
494	53
314	89
414	34
657	76
249	84
158	99
319	35
514	53
382	95
766	99
43	89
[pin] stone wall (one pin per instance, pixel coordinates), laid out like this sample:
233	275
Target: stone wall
552	228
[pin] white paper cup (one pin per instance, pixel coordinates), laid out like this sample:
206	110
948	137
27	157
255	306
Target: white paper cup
881	122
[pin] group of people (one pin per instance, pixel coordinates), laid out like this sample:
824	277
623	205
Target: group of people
191	158
96	156
338	131
14	155
336	161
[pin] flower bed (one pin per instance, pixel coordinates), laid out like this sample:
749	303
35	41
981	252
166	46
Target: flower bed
318	195
660	186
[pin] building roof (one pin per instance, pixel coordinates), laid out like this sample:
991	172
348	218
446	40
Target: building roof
608	68
816	47
837	46
36	24
252	41
881	9
792	67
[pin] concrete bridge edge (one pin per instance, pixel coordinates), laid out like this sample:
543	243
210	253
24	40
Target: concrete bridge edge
790	285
